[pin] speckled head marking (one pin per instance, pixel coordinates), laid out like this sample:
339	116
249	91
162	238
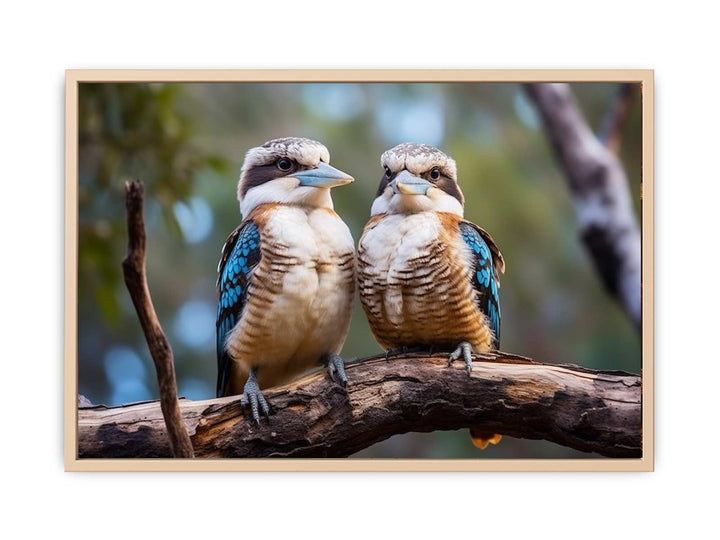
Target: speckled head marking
272	173
426	163
259	164
418	159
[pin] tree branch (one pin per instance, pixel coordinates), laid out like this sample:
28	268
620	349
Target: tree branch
592	411
599	187
136	281
617	115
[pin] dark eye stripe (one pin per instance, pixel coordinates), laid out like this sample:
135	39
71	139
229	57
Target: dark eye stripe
259	175
384	181
451	188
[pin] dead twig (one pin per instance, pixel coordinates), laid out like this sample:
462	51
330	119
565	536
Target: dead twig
136	281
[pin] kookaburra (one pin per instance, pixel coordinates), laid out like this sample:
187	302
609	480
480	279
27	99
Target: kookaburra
428	278
287	277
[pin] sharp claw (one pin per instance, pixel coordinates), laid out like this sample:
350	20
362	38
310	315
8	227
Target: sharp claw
467	354
254	408
341	374
253	396
336	367
464	350
243	403
454	356
264	405
343	379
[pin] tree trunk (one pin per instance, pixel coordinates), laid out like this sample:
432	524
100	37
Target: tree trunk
599	187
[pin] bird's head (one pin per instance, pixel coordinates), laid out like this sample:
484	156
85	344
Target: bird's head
292	171
418	178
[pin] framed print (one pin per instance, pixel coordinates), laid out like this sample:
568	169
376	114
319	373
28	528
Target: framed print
359	270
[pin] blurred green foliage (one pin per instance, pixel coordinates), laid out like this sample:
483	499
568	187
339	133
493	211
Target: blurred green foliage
129	131
187	143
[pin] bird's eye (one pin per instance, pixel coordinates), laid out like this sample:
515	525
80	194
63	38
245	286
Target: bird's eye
388	172
284	164
435	173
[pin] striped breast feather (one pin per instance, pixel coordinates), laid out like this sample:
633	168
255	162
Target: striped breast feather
489	264
240	256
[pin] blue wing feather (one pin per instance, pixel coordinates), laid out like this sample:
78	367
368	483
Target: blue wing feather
240	256
485	278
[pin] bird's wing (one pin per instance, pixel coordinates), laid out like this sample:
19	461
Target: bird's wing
485	278
240	256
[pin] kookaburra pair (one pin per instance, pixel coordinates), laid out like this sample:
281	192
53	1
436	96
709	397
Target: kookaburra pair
427	278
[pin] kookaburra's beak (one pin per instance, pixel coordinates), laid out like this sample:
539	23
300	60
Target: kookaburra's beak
407	184
323	176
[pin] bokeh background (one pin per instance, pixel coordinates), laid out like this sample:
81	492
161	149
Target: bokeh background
186	142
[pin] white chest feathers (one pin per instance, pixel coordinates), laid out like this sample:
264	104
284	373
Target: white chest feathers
391	254
309	236
399	238
301	294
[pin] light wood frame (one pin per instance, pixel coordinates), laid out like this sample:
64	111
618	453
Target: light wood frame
75	77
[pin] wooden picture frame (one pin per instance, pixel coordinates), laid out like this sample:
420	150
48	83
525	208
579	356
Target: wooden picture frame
71	410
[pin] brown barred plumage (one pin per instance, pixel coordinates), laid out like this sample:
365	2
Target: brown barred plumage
423	300
300	298
428	278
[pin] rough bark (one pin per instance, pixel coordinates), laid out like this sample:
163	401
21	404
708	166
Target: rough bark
617	115
599	186
592	411
136	281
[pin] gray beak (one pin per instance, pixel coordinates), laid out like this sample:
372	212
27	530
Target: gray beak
323	176
408	184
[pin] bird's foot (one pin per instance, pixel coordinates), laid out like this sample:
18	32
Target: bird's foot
253	396
336	369
464	350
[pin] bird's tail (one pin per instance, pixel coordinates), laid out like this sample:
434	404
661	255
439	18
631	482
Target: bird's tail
481	439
